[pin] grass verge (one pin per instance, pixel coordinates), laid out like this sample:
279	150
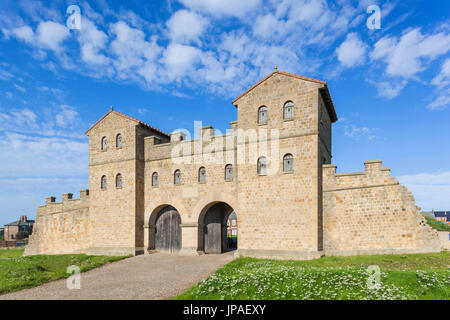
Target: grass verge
17	272
438	225
414	276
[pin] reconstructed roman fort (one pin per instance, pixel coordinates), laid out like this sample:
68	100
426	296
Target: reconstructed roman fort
150	191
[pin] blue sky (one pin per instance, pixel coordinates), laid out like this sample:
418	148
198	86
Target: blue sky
169	63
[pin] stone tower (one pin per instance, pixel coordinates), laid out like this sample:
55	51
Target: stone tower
116	180
298	118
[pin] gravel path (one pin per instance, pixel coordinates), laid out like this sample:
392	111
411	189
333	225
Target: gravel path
155	276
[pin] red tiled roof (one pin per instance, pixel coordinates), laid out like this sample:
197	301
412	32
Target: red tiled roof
128	117
327	97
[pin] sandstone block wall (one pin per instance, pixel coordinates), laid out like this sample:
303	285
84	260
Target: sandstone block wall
61	227
370	212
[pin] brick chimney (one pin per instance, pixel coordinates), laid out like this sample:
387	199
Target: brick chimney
23	218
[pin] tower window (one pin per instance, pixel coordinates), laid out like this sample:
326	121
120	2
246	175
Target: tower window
119	141
262	115
229	172
155	179
177	177
288	110
119	181
262	166
103	183
202	175
288	163
104	143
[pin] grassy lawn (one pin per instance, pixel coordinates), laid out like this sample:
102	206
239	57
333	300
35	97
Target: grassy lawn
17	272
438	225
413	276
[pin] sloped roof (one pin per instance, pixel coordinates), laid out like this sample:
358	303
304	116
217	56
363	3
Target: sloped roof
324	91
128	117
442	214
20	223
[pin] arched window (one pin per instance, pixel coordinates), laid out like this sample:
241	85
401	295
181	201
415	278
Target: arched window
119	181
202	175
262	115
229	172
288	110
177	177
155	179
119	141
104	143
262	166
103	183
288	163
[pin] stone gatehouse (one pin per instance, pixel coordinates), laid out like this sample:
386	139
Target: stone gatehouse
151	191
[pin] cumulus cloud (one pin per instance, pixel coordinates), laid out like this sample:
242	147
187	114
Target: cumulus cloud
408	55
389	89
48	35
352	51
235	8
185	26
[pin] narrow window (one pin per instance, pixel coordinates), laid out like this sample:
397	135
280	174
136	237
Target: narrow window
229	172
119	181
288	110
155	179
262	166
177	177
104	143
262	115
119	141
202	175
103	183
288	163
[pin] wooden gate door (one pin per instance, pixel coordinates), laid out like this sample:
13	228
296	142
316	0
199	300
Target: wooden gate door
213	231
168	230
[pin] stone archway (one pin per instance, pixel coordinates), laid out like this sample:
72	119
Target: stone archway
212	228
165	230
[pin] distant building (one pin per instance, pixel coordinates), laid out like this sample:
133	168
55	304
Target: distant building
442	216
232	225
12	229
2	232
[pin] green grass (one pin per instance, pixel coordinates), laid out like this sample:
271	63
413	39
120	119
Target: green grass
17	272
438	225
414	276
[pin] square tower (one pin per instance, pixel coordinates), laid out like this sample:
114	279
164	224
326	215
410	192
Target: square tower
279	174
116	180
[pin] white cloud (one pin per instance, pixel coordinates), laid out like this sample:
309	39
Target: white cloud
51	34
180	59
408	55
24	33
442	79
92	42
389	89
352	51
235	8
442	82
185	26
431	190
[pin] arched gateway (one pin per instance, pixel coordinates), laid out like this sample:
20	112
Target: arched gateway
212	231
167	230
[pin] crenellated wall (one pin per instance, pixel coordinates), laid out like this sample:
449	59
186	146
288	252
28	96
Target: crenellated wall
61	227
370	212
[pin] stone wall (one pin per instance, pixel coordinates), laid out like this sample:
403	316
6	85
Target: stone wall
371	213
61	227
444	237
